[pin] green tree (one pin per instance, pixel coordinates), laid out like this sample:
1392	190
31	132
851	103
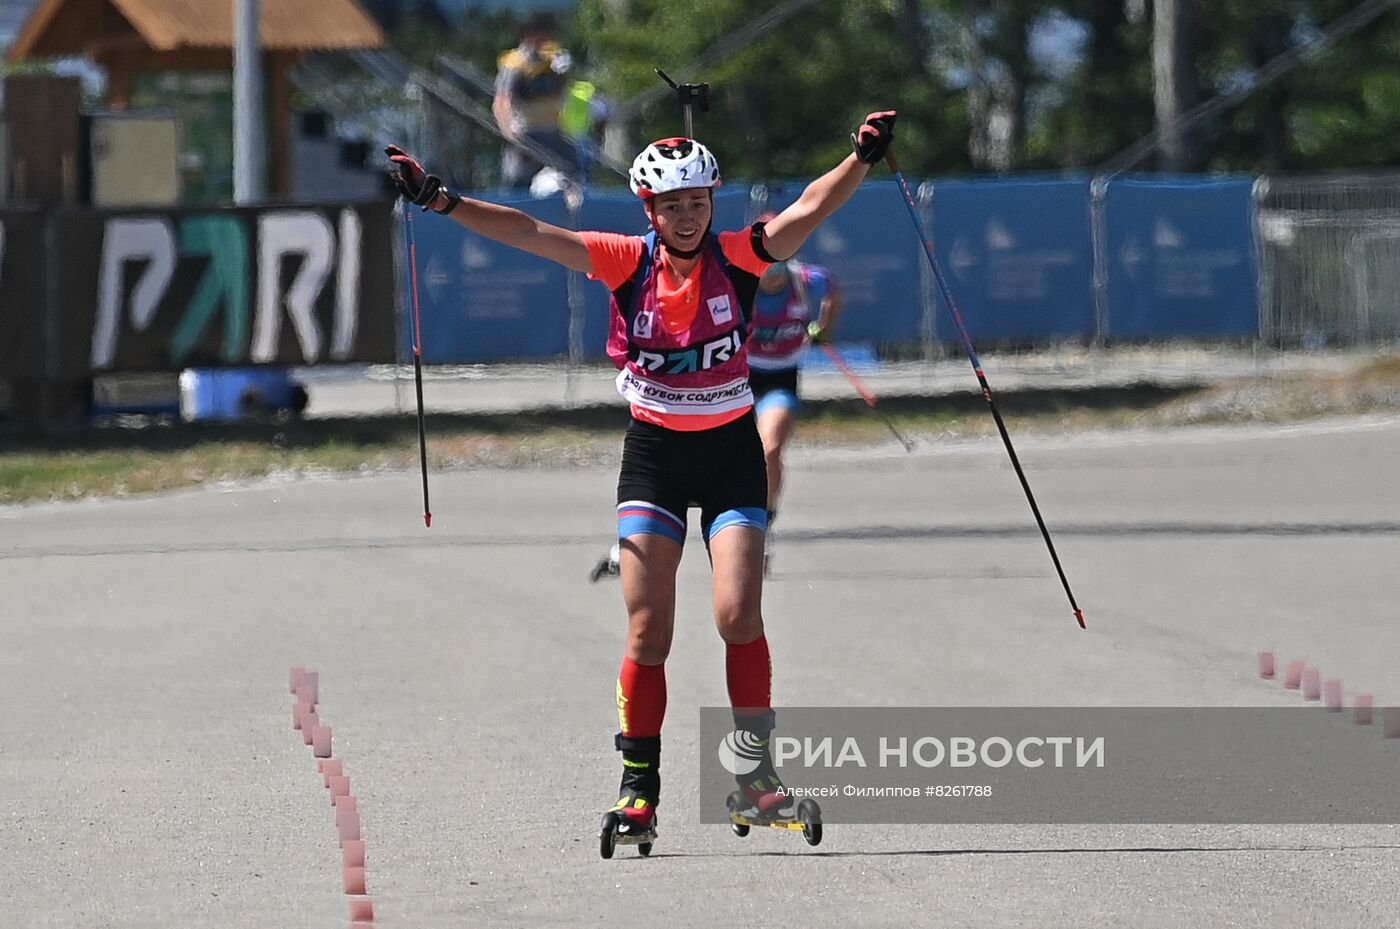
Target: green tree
1344	109
1340	109
784	106
975	94
1104	103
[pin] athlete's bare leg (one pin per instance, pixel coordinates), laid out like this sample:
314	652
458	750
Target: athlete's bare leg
736	553
649	563
775	427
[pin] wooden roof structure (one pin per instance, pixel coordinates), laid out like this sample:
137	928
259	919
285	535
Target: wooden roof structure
128	37
60	28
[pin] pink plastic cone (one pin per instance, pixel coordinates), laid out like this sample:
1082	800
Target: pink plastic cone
1363	709
1266	665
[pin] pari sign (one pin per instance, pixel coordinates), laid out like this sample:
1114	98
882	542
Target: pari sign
272	286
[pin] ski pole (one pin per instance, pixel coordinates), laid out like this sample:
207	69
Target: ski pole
866	393
981	377
417	358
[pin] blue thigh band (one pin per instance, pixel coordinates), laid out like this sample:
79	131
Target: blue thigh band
637	517
755	517
777	400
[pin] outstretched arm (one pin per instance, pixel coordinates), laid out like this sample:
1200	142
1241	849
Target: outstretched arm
504	224
831	307
521	230
784	234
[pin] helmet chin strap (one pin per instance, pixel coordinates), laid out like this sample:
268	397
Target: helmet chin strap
689	253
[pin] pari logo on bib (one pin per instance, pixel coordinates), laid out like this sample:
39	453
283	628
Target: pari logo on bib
720	310
699	371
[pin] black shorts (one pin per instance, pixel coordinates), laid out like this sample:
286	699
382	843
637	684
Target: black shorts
774	389
665	472
764	381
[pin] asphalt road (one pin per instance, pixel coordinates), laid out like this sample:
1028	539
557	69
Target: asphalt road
149	775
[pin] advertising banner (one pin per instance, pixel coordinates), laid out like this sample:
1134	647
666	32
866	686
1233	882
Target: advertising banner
172	289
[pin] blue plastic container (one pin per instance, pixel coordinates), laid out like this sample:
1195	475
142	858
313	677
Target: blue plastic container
238	393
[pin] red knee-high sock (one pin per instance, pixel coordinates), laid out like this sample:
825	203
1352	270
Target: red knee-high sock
641	698
749	670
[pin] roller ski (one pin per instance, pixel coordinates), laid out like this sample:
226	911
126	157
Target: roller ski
746	811
608	566
761	799
632	819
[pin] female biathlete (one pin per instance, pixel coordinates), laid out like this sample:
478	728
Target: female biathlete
682	303
782	327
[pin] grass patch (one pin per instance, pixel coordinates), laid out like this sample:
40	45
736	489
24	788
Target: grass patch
73	474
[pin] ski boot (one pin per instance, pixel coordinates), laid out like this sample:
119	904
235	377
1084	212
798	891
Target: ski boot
609	566
632	819
762	799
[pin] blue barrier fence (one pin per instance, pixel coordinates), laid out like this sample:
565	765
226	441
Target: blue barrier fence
1181	258
483	301
1018	256
1176	256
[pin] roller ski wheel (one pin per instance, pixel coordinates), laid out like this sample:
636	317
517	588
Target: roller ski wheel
608	566
807	818
735	806
810	816
607	835
619	829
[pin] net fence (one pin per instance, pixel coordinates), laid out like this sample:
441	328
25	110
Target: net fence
1329	260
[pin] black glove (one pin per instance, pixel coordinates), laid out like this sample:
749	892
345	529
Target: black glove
873	137
418	186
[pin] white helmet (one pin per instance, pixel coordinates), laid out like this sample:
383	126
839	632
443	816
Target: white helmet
673	164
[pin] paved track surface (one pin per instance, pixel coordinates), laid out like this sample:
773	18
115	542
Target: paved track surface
149	777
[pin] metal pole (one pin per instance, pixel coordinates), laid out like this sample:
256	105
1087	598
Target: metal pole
928	293
575	299
249	145
1263	257
1098	227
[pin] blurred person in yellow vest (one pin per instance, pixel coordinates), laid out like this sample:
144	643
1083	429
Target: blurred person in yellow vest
583	117
531	84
